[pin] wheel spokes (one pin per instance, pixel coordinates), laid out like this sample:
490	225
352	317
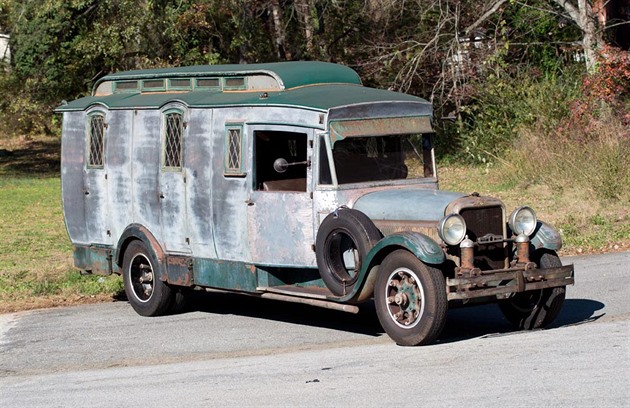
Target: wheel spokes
404	299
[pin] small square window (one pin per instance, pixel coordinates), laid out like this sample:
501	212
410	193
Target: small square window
234	151
174	130
96	141
235	83
213	83
153	85
126	86
179	84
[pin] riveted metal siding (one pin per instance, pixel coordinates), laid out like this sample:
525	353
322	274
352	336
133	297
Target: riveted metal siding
72	162
199	162
145	167
118	165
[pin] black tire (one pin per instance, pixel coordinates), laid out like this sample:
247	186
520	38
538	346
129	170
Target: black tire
410	299
536	308
147	294
349	232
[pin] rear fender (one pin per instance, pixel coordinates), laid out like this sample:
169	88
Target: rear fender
139	232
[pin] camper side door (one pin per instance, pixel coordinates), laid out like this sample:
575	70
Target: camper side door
280	207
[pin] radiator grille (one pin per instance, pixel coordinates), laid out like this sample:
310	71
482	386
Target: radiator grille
480	222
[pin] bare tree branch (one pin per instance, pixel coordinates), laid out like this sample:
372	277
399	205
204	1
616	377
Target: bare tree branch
484	17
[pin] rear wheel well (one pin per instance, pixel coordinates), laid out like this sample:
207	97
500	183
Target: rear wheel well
120	254
137	232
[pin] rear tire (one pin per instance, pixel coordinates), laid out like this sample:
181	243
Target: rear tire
410	299
536	308
147	294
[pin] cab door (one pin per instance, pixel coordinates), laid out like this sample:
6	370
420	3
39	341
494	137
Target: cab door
280	205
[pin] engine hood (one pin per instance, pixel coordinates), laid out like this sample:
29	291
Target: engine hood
415	204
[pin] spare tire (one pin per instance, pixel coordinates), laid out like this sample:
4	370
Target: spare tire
343	240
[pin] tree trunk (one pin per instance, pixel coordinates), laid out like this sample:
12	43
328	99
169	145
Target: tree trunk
303	8
586	19
278	24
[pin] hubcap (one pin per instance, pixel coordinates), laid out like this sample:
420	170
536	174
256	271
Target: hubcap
405	298
141	277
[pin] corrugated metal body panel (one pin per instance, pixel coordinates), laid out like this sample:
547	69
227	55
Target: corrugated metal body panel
145	167
229	194
199	161
72	162
118	165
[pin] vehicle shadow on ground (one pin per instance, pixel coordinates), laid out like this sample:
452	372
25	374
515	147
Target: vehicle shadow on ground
462	324
365	322
487	320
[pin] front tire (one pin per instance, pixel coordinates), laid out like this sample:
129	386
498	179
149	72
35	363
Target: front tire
147	294
536	308
410	299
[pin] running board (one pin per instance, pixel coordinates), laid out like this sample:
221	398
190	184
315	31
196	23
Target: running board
305	296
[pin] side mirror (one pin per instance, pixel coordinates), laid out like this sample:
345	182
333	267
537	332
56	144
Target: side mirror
280	165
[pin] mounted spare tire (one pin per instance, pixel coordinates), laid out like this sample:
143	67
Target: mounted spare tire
343	240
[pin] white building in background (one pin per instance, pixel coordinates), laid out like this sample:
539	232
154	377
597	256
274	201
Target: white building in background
5	51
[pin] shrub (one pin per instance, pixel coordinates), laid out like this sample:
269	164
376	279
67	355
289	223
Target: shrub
591	156
506	103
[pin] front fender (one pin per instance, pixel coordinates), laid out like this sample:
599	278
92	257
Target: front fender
545	236
423	247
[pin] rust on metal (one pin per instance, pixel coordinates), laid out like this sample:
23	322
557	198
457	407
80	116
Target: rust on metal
508	281
178	271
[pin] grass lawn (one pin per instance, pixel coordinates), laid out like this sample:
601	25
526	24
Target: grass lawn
35	253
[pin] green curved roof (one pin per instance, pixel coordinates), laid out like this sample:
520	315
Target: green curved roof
290	74
310	85
316	97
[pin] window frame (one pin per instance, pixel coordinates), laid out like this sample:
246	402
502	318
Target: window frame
90	117
164	116
229	171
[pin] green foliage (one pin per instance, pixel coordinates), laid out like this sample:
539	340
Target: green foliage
506	102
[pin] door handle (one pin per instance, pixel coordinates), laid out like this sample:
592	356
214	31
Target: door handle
249	202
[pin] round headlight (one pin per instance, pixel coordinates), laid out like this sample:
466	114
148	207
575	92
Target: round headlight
523	221
452	229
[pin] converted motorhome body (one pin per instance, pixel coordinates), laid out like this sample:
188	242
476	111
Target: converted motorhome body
285	180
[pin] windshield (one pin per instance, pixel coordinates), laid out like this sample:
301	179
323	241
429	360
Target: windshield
383	158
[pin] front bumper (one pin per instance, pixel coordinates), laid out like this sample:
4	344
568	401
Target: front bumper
503	282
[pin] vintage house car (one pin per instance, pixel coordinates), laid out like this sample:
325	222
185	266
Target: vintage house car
291	181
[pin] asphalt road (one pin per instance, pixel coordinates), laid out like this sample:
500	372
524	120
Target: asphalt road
240	351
